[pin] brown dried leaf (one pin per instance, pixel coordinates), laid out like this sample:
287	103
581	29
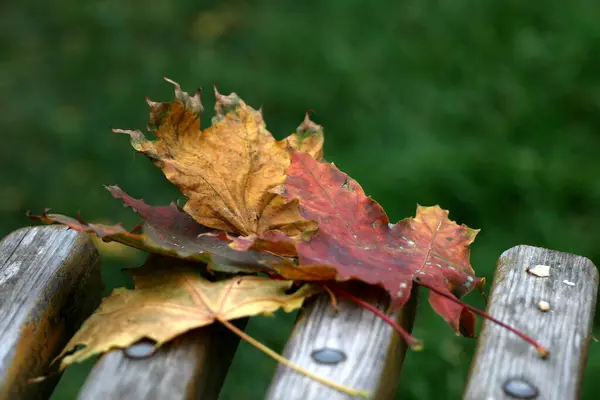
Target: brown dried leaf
308	138
227	170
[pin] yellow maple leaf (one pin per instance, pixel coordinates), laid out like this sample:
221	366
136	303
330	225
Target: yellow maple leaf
171	298
227	170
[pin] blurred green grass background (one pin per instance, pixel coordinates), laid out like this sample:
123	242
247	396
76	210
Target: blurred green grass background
489	109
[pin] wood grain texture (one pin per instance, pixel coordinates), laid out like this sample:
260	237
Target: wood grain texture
374	351
192	366
565	329
49	283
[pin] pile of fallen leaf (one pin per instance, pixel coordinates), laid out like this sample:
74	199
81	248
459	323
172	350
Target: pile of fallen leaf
257	205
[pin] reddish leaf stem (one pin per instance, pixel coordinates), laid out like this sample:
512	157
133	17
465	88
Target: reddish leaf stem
414	343
541	349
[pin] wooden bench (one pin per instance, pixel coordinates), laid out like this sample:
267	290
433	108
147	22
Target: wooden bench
50	282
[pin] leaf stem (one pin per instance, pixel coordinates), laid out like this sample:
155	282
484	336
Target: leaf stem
481	288
540	349
334	302
414	343
289	364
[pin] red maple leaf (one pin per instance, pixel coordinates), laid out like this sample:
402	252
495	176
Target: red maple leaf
356	238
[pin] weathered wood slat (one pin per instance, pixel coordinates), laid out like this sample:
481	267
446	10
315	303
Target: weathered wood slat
49	283
192	366
374	352
565	329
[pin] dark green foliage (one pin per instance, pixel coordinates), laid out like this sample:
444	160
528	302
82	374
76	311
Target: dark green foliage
490	109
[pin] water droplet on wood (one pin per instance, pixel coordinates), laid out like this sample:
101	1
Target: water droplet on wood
142	349
328	356
520	389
